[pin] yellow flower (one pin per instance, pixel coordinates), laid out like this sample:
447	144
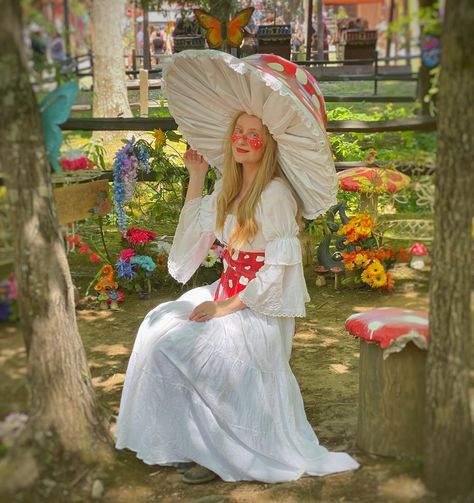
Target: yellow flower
375	267
160	137
379	280
366	277
361	260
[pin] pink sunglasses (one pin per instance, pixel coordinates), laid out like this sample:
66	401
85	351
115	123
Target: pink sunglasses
254	143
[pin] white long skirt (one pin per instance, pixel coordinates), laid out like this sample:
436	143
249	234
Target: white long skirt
220	393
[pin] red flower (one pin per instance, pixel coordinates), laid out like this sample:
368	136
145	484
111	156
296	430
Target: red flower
83	249
76	164
137	236
126	254
94	258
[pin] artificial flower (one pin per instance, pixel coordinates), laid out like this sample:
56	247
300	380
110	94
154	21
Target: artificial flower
145	262
126	254
94	258
210	259
124	270
160	138
138	236
163	247
83	249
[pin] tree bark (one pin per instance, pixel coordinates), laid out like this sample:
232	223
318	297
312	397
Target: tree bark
449	456
62	400
110	90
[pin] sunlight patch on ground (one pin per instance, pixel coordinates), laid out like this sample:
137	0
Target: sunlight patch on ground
92	315
112	349
305	335
110	383
338	368
128	494
403	488
328	341
7	354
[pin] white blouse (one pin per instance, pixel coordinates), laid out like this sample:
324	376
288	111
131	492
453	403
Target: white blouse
279	287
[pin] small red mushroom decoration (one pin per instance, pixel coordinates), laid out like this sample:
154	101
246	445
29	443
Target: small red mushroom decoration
418	252
321	272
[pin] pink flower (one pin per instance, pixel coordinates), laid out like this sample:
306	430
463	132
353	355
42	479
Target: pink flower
218	250
126	254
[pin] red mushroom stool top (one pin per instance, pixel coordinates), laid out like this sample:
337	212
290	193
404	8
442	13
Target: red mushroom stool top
372	179
392	327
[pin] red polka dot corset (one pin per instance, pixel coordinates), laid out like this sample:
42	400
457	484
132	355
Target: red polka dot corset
239	269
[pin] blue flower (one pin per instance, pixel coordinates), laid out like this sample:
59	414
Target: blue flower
145	262
125	269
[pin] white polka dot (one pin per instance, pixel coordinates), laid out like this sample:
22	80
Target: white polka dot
247	267
276	66
246	256
231	283
243	280
315	101
259	259
301	75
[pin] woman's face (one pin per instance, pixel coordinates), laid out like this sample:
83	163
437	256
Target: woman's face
248	139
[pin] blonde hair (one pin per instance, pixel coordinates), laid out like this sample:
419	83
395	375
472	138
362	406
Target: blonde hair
232	179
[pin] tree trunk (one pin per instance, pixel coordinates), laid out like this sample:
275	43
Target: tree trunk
61	394
449	456
110	90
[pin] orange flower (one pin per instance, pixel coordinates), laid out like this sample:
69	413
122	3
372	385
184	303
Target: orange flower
390	282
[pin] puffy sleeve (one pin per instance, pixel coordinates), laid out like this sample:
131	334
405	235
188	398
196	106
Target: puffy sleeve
279	287
194	236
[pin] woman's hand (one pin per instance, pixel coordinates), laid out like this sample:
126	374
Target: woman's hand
215	309
195	163
206	311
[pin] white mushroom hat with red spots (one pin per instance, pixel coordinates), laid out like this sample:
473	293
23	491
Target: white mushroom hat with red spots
207	88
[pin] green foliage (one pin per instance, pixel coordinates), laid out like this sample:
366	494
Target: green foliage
95	151
394	148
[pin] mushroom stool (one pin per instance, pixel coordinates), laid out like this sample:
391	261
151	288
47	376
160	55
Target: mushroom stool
371	181
393	343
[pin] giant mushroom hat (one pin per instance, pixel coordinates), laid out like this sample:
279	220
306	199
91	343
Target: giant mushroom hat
206	89
370	182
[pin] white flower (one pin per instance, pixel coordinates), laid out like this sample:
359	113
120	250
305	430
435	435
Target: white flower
210	260
162	247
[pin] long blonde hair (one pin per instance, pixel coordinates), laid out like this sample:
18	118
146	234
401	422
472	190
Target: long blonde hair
232	179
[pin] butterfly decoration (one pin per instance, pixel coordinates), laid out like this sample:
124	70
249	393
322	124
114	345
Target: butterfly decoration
54	109
224	33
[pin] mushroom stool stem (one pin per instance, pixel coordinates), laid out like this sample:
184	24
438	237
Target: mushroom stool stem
391	401
393	344
369	203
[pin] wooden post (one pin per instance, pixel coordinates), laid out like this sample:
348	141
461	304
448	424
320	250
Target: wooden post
309	27
143	93
389	34
320	31
391	401
406	13
146	39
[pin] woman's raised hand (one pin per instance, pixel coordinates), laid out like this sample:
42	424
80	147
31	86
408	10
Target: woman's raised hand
195	163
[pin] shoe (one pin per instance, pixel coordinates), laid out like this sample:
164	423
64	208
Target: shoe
184	466
198	475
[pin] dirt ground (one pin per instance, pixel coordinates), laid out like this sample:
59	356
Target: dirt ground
325	362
